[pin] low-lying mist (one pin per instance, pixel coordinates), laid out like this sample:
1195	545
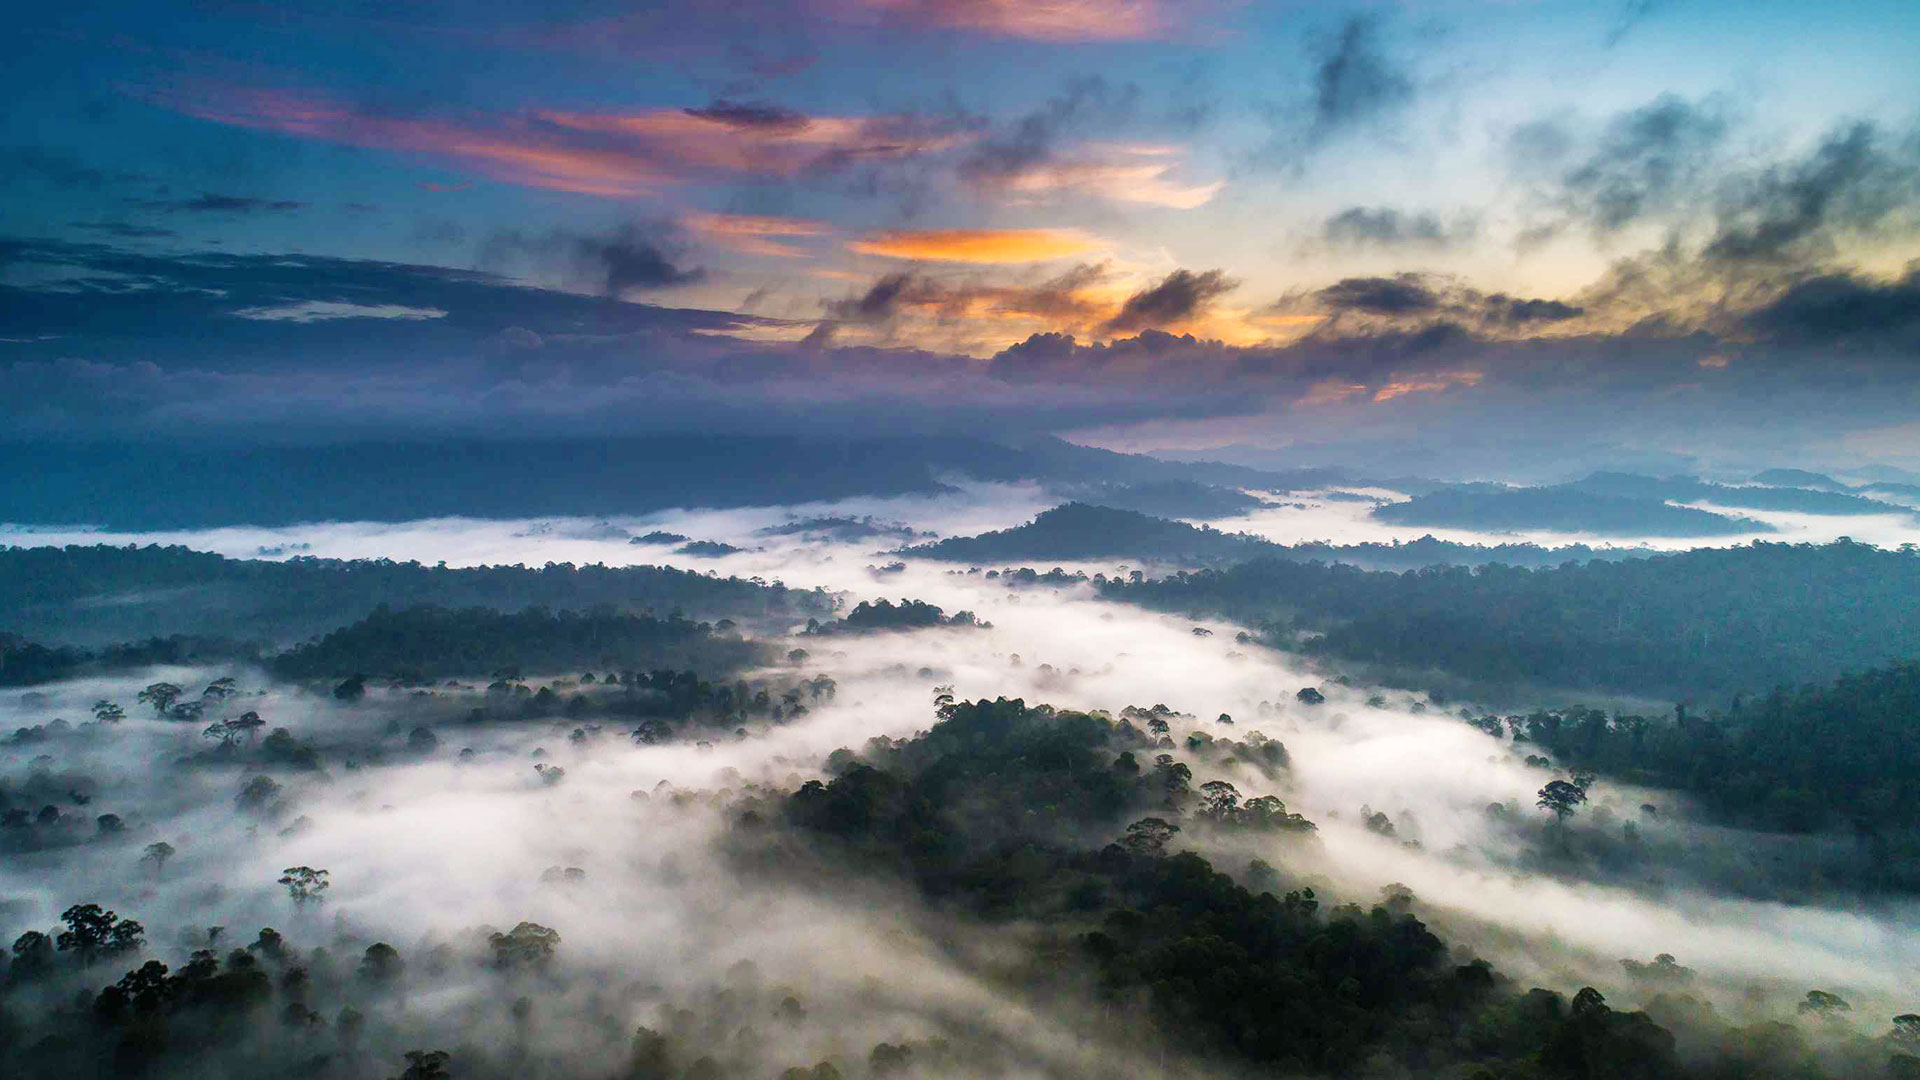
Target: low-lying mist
433	843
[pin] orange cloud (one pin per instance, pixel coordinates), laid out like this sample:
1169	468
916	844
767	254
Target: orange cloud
755	234
978	245
610	154
1430	384
1038	20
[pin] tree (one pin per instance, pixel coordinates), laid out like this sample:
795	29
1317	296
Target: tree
92	931
1825	1005
158	853
220	689
305	884
526	945
1906	1029
1310	696
1148	836
32	955
160	695
352	689
221	730
1219	801
108	713
1562	798
381	963
426	1065
258	795
247	723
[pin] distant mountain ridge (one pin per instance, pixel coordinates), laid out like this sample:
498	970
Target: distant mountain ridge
1078	531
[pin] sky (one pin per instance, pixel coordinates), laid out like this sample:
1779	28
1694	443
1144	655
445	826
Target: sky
1666	230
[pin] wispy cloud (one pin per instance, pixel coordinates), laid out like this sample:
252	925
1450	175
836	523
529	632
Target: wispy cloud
613	154
756	234
1042	20
1145	175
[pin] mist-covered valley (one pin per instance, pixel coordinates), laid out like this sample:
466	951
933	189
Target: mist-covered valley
1179	844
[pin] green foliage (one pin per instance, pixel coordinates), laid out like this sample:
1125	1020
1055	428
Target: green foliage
1792	760
159	591
428	643
1703	622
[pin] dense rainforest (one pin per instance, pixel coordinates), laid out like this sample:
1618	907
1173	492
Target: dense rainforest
1105	864
96	595
1698	625
1080	531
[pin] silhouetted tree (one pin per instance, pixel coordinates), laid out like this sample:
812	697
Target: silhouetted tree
305	884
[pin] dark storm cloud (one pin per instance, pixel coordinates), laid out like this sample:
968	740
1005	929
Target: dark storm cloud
1355	81
1385	227
632	257
1843	307
1179	296
208	202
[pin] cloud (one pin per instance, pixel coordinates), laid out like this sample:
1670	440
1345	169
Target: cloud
1063	299
1355	82
1178	297
1648	161
1385	227
1044	156
1419	298
752	116
93	302
1757	231
611	154
59	169
1403	295
1037	20
1145	175
1842	307
121	230
1632	13
208	202
307	311
756	234
631	257
978	245
1854	181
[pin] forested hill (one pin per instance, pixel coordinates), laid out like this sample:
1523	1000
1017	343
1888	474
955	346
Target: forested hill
1562	509
101	594
1084	531
180	486
429	643
1081	531
1706	623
